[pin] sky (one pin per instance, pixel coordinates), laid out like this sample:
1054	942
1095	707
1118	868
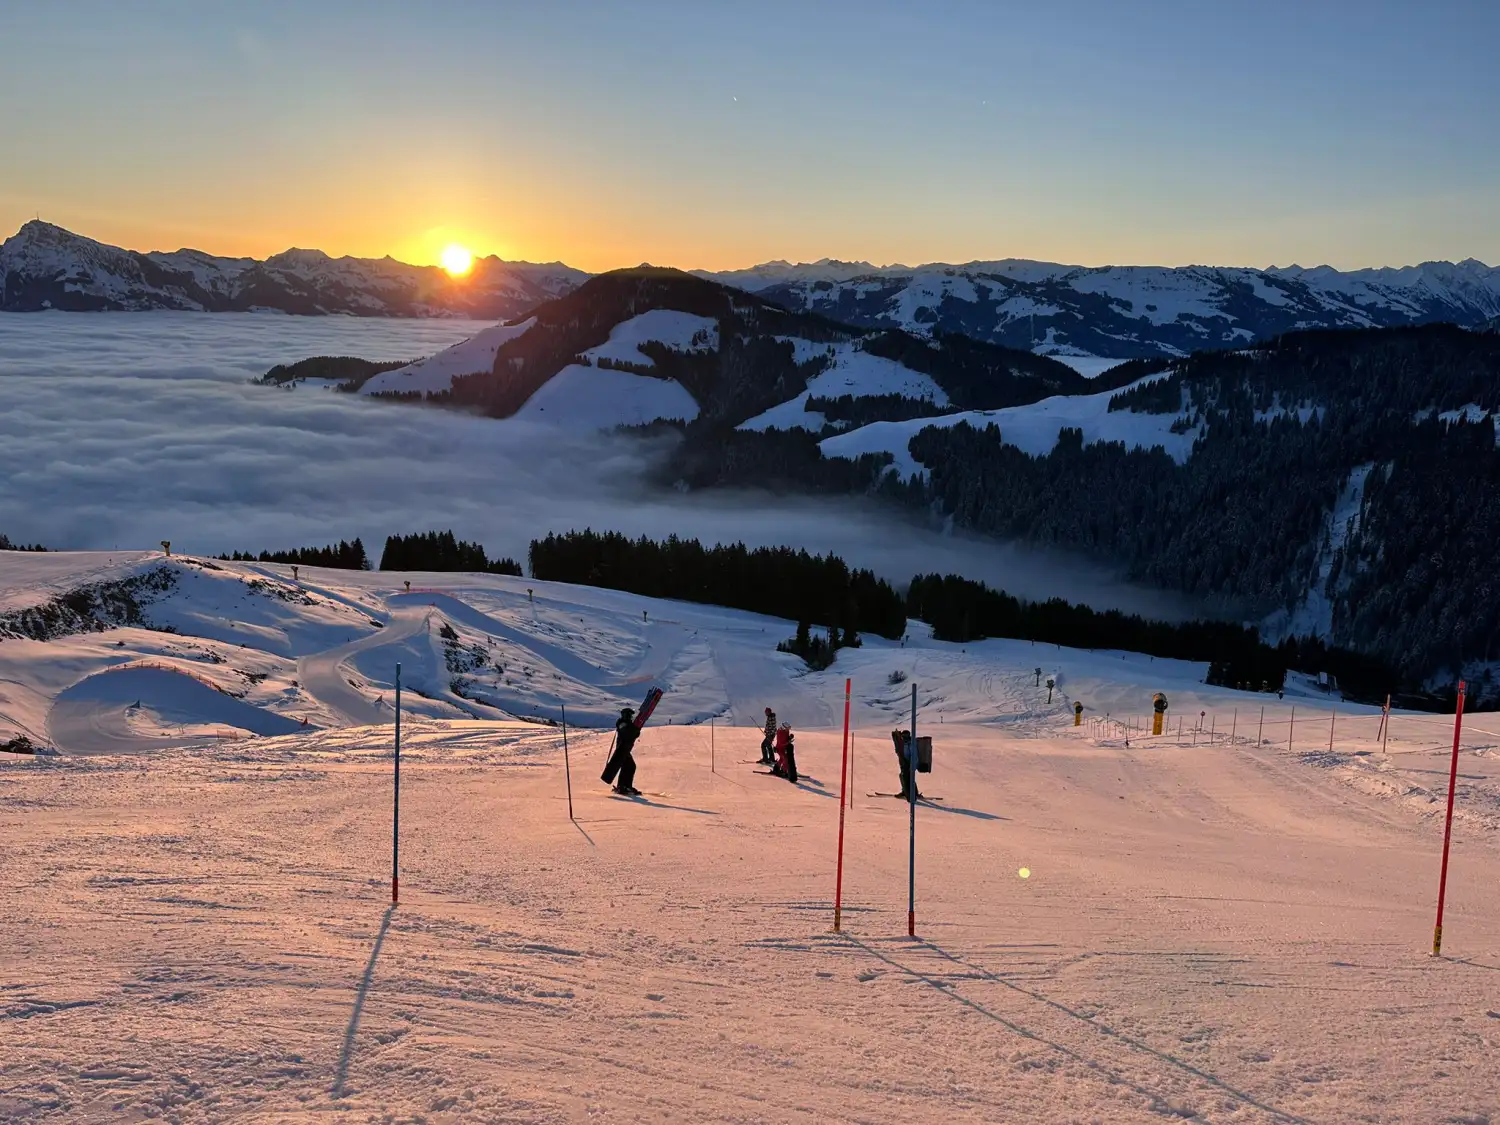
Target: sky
718	135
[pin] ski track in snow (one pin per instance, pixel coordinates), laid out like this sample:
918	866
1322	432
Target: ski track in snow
1213	930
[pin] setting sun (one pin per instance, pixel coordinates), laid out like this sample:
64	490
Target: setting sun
457	261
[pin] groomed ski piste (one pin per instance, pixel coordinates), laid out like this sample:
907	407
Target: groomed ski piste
195	921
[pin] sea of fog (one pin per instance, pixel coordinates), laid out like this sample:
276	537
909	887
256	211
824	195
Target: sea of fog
122	429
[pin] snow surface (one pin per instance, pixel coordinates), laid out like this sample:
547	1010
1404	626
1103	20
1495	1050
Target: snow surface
593	398
677	330
852	372
1211	928
437	372
1033	429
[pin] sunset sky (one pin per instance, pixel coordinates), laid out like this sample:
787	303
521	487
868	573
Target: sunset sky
719	135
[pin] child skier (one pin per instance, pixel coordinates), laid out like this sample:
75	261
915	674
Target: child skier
767	743
786	754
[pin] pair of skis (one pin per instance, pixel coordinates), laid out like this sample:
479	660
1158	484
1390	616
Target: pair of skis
899	797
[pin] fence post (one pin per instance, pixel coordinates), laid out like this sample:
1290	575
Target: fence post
1291	726
1234	725
1261	727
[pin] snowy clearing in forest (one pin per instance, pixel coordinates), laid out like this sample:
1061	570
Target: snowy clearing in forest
853	372
680	331
1033	429
582	398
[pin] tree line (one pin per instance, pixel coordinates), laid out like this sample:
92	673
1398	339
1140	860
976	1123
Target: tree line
335	556
429	550
441	551
777	581
7	545
961	610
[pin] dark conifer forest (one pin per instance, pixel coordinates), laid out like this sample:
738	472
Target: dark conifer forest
779	581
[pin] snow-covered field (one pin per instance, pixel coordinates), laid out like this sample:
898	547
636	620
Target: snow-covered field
1214	929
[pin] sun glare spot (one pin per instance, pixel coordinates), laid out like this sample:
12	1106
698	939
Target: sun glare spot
457	261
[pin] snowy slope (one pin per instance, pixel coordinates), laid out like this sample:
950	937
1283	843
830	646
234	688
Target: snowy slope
596	398
1033	429
1226	923
680	331
437	372
852	372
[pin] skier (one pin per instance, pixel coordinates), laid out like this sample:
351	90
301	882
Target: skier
786	754
769	740
902	739
621	761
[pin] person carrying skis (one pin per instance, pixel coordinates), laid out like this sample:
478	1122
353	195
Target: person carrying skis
767	743
786	753
902	739
622	760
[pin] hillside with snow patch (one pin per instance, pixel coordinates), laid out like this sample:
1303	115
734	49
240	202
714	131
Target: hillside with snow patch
1033	429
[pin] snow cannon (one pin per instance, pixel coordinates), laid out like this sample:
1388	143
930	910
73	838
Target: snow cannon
1159	706
1077	713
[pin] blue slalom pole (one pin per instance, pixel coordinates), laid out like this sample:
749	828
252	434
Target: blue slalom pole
396	812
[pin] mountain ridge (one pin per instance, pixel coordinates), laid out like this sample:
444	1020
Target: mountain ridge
1116	311
46	267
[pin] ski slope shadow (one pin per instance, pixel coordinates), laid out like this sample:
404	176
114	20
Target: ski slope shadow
359	1005
1102	1028
955	810
664	805
91	716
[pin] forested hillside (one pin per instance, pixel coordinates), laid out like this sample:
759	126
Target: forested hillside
1391	427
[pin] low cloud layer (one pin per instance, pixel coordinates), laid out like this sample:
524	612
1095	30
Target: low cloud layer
119	430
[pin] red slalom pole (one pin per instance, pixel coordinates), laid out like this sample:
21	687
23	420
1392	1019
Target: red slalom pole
838	880
1458	722
396	805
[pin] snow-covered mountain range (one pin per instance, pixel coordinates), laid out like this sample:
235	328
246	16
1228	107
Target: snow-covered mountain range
1115	311
1126	311
46	267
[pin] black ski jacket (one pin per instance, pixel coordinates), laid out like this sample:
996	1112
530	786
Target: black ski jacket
626	732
